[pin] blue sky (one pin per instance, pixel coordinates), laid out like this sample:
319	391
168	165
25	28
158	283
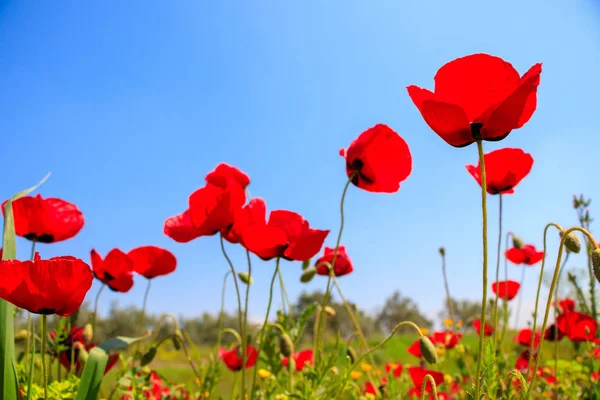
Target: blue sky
129	105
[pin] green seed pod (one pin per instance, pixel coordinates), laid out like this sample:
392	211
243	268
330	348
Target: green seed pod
572	242
517	242
245	277
305	264
177	340
596	263
351	354
88	333
286	346
442	251
148	357
307	275
428	350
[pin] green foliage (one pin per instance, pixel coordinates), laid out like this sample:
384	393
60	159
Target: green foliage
57	390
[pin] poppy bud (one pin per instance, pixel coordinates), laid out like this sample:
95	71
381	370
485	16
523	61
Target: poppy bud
572	242
335	371
442	251
245	277
148	357
305	264
330	311
428	350
88	333
82	354
596	263
177	339
286	346
307	275
21	335
517	242
351	354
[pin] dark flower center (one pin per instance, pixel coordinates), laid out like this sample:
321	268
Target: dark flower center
43	238
476	130
46	311
357	165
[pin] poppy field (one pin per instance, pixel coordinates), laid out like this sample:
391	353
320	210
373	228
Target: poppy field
50	353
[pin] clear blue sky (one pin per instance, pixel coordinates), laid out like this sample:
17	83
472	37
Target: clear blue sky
129	104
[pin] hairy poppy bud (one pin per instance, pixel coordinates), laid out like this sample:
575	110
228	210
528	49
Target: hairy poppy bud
428	350
596	263
245	277
351	354
177	339
88	333
286	346
517	242
82	354
442	251
307	275
305	264
148	357
330	311
572	242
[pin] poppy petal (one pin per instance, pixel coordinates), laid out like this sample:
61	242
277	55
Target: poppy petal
181	229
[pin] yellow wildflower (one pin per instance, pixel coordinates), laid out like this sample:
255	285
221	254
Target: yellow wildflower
370	396
425	331
365	367
460	348
440	350
579	359
448	322
356	375
447	379
263	373
377	372
459	324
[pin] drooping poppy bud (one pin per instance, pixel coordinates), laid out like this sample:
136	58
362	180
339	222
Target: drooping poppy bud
517	242
307	275
442	251
245	277
148	357
177	340
428	350
596	263
88	333
351	354
286	345
305	264
572	242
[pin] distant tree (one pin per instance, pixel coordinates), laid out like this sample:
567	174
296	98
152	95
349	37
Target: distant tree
465	310
397	309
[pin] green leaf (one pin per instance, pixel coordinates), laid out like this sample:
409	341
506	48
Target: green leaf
93	372
8	373
119	343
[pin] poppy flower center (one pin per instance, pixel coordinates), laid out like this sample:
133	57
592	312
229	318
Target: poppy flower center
43	238
46	311
357	165
476	130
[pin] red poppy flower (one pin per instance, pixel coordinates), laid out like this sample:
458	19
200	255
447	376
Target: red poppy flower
566	305
527	255
252	214
46	220
553	334
74	342
221	175
504	169
395	367
415	349
285	235
525	337
477	97
343	264
595	376
370	388
54	286
152	261
302	359
380	158
0	253
448	339
578	327
181	229
116	270
417	374
506	290
233	358
488	329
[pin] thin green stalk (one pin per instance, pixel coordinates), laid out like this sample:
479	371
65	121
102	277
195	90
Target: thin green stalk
520	297
28	342
222	312
550	295
262	333
44	376
498	270
335	253
143	317
539	288
429	378
96	306
246	335
504	301
447	287
562	267
240	313
284	296
485	265
31	369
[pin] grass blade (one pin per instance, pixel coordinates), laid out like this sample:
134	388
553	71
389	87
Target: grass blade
93	372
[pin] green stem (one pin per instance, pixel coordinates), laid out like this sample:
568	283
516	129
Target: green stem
246	335
96	307
498	270
262	333
31	369
485	266
222	312
447	287
539	288
518	312
335	253
562	267
284	296
504	301
44	376
428	377
28	342
549	301
240	313
143	317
